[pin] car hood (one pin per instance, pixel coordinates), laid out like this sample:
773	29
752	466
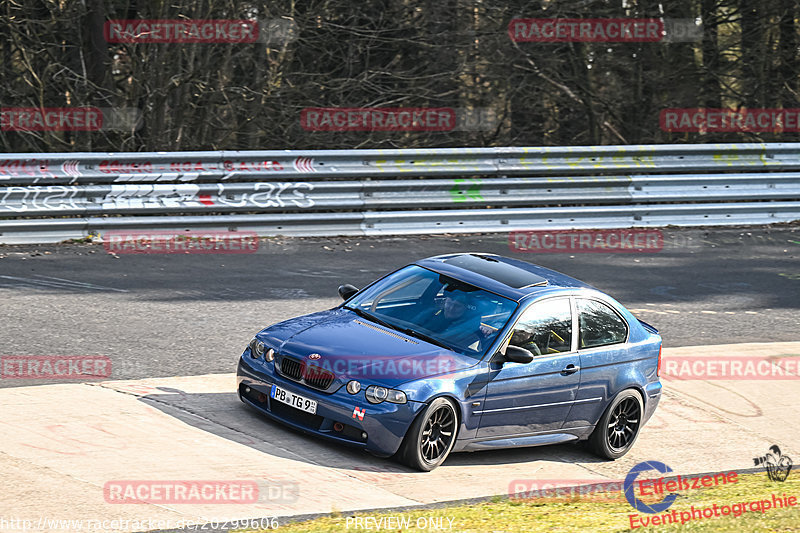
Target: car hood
353	347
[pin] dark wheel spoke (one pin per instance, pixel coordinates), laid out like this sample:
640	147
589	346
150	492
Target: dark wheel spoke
427	452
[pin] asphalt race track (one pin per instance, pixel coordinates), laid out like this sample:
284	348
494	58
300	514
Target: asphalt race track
175	324
190	314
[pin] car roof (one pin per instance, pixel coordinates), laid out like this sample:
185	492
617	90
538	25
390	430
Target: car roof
507	277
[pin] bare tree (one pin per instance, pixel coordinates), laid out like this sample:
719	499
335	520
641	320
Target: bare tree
385	54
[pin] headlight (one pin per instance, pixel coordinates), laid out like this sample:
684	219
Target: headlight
353	386
257	348
378	394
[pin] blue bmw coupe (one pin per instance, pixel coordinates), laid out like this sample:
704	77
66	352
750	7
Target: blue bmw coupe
460	352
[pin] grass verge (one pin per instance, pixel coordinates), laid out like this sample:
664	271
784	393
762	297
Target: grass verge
597	512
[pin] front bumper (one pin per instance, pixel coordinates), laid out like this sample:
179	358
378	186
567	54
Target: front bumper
384	424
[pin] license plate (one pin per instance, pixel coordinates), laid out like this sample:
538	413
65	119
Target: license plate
295	400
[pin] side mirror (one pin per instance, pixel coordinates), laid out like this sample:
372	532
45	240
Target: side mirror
346	291
515	354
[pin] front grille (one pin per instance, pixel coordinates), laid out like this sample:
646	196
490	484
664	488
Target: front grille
312	375
291	368
317	377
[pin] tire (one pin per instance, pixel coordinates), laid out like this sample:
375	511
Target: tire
617	429
421	452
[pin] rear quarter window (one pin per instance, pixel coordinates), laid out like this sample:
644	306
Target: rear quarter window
599	324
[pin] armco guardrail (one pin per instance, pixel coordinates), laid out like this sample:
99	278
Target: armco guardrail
52	197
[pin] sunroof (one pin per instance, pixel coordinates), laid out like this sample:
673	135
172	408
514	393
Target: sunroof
490	267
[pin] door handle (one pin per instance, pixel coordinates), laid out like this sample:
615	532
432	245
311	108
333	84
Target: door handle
570	369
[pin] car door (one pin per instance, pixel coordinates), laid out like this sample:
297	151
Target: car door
536	396
604	358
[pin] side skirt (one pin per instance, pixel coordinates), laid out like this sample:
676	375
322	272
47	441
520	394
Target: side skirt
521	441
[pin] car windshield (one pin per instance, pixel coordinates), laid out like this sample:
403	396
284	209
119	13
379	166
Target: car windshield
436	308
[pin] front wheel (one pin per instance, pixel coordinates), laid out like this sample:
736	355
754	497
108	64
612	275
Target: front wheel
619	426
431	437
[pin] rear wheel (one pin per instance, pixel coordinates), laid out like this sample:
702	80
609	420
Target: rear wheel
431	437
619	426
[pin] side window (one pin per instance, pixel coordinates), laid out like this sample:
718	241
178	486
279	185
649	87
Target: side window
545	327
599	325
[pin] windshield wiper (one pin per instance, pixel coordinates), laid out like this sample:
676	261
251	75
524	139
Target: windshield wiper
368	316
427	338
407	331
